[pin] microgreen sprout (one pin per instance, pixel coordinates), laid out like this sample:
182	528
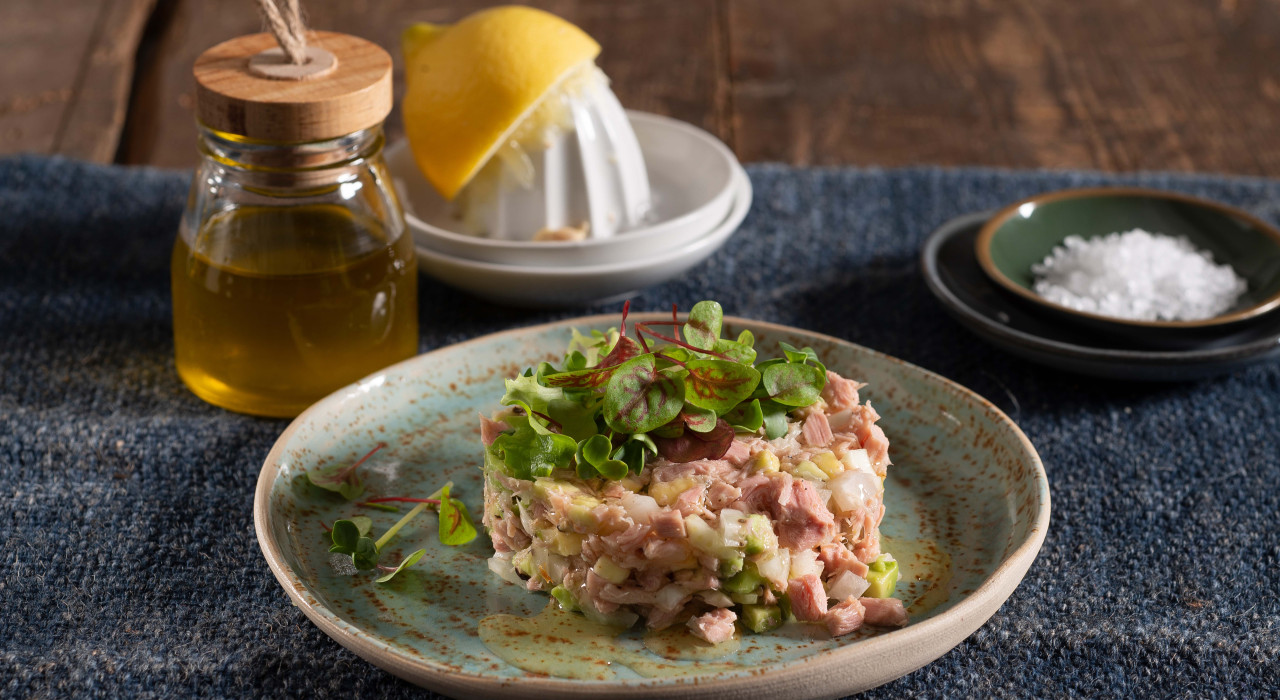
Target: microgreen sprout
340	479
351	536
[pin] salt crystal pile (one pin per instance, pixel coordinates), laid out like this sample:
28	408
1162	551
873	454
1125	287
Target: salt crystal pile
1138	275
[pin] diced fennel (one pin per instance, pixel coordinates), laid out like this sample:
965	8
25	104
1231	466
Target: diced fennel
703	537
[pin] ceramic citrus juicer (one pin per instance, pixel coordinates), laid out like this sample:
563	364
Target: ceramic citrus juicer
509	118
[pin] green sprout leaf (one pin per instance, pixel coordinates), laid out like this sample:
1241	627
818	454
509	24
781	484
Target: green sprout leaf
594	459
365	555
404	564
793	384
702	330
592	346
574	360
345	534
633	454
699	420
747	416
775	419
525	453
794	354
456	527
645	440
639	398
747	338
719	385
525	391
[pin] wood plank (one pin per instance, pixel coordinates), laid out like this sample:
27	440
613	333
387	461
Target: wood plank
92	129
64	83
1107	84
663	56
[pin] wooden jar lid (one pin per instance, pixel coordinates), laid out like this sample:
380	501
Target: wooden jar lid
352	94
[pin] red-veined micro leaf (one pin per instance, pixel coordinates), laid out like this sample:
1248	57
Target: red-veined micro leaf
639	398
625	349
702	329
719	385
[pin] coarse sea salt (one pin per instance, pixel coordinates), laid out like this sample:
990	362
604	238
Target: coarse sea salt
1138	275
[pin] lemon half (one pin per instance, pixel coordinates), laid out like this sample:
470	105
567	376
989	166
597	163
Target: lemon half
469	86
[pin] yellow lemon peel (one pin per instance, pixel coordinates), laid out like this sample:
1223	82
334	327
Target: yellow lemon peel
469	86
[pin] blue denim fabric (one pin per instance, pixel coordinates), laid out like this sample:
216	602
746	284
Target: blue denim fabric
130	568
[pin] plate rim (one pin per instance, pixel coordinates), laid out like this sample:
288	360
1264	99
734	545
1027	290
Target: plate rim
969	613
1169	358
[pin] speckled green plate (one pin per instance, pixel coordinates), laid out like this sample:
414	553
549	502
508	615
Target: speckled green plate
967	499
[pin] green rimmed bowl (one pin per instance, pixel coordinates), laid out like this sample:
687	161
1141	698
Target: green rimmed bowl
1026	232
967	499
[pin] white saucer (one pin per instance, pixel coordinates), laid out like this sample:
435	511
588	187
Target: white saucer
691	178
569	285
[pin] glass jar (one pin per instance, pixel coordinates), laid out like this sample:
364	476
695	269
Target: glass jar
293	273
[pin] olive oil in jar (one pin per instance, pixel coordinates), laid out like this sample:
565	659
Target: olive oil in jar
293	272
276	307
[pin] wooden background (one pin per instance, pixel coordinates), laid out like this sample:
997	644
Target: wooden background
1103	84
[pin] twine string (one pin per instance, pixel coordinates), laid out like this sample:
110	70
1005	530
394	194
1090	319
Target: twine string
284	18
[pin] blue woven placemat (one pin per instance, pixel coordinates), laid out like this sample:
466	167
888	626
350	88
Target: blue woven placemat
130	567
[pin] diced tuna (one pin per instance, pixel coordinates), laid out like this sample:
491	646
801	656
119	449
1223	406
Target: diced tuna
803	519
808	598
757	492
715	468
631	538
665	551
490	429
816	431
836	557
615	489
721	494
668	523
845	617
715	626
872	438
840	393
738	454
624	596
868	548
595	589
689	502
654	578
884	612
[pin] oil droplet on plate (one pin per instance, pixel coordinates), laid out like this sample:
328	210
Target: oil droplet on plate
568	645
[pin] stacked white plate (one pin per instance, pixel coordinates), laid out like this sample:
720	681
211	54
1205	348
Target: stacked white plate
699	196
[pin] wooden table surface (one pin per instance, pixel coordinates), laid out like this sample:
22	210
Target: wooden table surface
1102	84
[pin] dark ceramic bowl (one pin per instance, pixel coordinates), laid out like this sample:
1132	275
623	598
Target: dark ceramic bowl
1026	232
